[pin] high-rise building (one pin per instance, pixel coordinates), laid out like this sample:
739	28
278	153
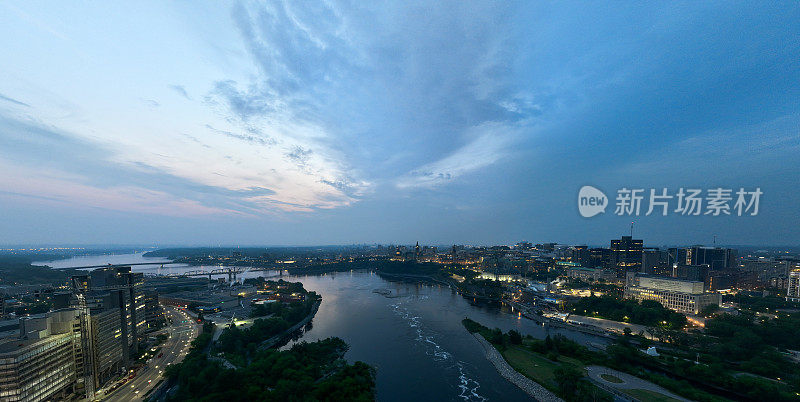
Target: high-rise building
697	273
654	262
40	364
115	302
89	339
578	254
626	255
153	313
721	280
714	257
598	257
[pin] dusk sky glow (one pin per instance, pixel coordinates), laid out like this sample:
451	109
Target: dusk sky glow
279	123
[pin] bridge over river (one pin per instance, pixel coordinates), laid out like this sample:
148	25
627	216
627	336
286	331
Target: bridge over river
231	271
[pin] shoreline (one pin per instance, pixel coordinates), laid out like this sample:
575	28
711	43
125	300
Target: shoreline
532	388
271	342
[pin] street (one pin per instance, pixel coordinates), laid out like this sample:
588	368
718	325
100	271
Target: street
181	332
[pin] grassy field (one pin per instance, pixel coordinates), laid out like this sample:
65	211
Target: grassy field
611	378
536	366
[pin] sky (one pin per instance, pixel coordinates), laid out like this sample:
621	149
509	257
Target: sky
302	123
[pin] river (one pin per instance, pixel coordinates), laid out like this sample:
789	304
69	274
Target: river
414	337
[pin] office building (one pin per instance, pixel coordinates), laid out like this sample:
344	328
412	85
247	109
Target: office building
153	313
115	303
714	257
118	289
654	262
626	255
40	363
695	273
684	296
591	274
721	280
793	290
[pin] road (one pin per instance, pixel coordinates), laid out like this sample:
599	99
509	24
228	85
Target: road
181	332
625	381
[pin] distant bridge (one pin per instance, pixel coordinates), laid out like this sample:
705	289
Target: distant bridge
122	265
231	271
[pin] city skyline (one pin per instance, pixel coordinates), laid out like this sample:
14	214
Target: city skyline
358	124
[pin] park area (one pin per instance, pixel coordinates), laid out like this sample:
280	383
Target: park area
569	370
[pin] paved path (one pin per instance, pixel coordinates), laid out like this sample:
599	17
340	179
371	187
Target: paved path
532	388
628	381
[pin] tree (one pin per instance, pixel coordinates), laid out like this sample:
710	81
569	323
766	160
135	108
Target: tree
709	310
567	378
259	310
515	337
497	336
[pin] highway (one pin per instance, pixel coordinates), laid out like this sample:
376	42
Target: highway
181	333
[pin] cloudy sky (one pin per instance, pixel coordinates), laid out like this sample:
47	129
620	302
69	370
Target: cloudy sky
361	122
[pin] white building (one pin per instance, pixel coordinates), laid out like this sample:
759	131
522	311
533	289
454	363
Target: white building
676	294
793	291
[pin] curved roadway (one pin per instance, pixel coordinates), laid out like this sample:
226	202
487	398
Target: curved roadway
181	333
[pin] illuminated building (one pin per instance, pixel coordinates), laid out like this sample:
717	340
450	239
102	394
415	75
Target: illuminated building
683	296
793	290
591	274
116	307
40	363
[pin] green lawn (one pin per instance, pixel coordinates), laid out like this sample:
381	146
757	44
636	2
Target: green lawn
611	378
648	396
531	365
536	366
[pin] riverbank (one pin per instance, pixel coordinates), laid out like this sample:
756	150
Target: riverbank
554	323
275	340
530	387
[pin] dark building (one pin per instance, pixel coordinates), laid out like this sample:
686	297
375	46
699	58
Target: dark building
153	313
719	280
654	262
579	254
524	245
597	258
546	247
541	264
716	258
696	273
677	256
626	255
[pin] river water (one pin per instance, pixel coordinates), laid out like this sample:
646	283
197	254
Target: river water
413	337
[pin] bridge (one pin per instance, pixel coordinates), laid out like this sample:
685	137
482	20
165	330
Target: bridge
232	271
122	265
